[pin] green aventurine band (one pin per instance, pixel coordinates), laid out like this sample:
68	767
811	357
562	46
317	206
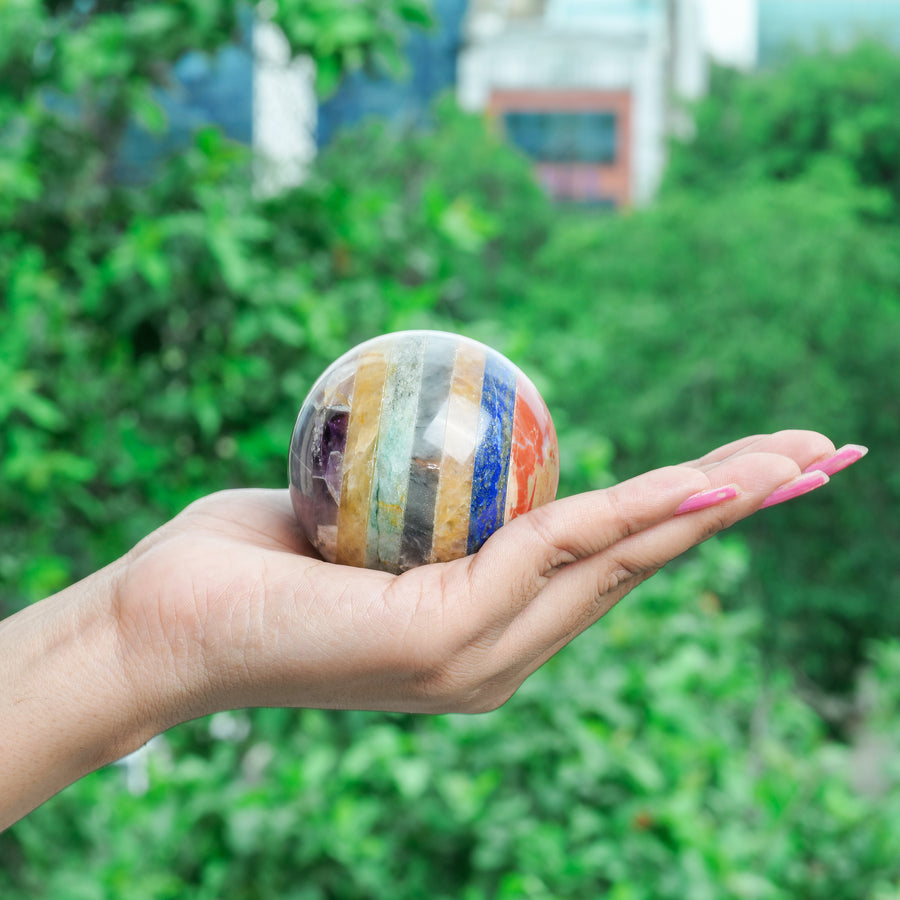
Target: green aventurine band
393	450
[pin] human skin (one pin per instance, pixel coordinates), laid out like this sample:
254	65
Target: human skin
227	606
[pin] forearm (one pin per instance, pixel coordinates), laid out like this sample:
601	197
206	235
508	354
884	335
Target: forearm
67	702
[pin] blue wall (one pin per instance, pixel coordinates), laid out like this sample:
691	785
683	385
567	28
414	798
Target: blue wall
208	89
432	61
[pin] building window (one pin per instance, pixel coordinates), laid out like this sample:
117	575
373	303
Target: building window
564	137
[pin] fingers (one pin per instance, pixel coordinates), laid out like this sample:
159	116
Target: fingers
586	553
727	450
531	548
581	526
463	635
521	560
581	593
802	446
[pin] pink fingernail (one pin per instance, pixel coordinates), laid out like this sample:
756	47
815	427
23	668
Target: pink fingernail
709	497
798	486
846	456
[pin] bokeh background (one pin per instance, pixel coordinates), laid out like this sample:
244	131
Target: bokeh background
681	218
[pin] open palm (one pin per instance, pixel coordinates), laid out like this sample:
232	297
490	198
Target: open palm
244	612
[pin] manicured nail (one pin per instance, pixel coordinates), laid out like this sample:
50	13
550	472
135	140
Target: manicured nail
709	497
798	486
846	456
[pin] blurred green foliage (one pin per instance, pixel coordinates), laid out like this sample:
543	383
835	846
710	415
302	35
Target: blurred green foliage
657	758
156	340
827	108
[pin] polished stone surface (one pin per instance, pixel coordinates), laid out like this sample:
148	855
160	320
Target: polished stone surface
415	447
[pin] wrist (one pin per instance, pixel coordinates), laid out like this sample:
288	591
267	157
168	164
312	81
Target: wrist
68	706
161	636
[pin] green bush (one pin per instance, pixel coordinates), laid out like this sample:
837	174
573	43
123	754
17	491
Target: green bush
657	757
782	124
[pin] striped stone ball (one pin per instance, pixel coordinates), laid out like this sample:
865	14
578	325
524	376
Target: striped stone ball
415	447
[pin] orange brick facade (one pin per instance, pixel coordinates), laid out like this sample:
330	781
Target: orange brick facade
605	183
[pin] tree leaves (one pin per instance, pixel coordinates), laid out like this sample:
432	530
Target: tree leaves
658	757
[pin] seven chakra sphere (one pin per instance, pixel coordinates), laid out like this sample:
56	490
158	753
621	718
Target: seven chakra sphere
415	447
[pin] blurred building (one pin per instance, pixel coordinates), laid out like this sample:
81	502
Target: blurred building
588	89
786	26
291	124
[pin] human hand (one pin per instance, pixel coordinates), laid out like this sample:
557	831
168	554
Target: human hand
227	606
244	613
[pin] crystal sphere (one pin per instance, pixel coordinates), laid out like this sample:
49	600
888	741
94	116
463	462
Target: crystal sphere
414	447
